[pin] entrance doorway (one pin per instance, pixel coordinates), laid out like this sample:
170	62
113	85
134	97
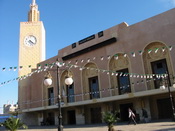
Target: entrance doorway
51	118
164	108
71	117
124	111
96	116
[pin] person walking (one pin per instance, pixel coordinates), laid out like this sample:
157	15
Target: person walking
131	116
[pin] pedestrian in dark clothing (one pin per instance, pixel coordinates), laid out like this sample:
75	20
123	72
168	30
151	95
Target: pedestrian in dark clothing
131	116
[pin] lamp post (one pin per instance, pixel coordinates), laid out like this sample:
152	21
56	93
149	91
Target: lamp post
165	83
48	82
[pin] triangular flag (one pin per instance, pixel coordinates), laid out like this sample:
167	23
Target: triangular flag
149	50
156	50
163	49
170	48
15	68
39	66
88	60
10	68
116	56
133	54
76	62
46	66
124	54
20	67
140	52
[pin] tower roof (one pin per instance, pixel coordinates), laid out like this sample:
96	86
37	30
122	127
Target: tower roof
33	2
33	15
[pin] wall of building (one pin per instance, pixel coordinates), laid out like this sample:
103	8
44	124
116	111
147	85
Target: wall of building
151	33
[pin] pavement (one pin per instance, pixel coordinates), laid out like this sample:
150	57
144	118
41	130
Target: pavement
165	125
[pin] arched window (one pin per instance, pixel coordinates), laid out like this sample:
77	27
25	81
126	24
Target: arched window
156	61
90	82
120	82
67	91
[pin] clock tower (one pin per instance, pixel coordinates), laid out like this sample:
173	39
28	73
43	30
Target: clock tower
32	41
31	51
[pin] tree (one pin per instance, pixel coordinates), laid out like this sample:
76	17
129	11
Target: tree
13	124
110	119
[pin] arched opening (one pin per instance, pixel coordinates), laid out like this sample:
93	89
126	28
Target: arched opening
120	82
156	61
67	90
90	82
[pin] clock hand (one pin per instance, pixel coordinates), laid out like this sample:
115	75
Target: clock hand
31	42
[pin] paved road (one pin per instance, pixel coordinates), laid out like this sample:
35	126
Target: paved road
153	126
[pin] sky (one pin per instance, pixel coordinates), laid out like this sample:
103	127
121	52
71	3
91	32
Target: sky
65	22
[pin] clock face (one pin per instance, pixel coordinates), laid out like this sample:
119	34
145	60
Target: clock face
30	40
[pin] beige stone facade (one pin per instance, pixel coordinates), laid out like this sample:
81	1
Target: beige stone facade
31	55
115	69
31	49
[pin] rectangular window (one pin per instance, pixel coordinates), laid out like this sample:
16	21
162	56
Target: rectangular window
50	96
100	34
73	45
159	67
94	89
70	93
123	82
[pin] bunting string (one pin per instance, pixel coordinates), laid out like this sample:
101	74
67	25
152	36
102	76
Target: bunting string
108	72
116	56
82	94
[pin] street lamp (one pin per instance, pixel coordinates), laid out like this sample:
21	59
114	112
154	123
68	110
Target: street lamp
165	83
48	82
